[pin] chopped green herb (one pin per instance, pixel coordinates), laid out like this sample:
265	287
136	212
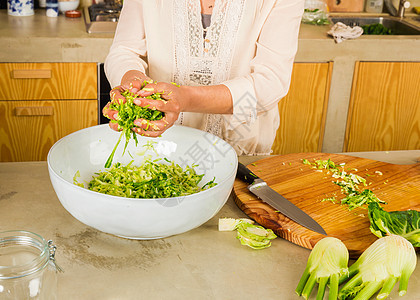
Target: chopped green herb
306	162
331	199
349	184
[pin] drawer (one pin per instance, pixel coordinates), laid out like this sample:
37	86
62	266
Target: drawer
28	129
48	81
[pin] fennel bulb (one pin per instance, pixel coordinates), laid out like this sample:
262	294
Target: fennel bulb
379	267
326	263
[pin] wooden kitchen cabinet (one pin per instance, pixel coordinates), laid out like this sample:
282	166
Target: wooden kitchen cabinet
384	110
43	102
303	110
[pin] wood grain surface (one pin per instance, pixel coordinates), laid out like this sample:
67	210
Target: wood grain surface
48	81
384	109
398	185
30	137
303	110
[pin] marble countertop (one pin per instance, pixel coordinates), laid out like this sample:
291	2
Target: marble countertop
200	264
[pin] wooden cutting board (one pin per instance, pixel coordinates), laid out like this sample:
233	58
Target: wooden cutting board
398	185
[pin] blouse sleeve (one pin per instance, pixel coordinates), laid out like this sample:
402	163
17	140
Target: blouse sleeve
271	68
129	45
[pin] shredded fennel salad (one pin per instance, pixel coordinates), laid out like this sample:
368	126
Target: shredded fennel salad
151	179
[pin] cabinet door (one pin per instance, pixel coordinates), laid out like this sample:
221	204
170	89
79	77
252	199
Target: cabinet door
384	111
47	81
303	110
28	129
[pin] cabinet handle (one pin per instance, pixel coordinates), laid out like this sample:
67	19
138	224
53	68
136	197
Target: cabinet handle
34	111
31	74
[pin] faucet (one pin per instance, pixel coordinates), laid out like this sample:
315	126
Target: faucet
403	4
401	8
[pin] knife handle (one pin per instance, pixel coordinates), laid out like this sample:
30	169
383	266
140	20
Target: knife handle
245	174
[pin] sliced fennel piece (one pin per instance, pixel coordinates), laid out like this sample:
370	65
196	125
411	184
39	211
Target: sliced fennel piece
230	224
254	236
380	266
326	263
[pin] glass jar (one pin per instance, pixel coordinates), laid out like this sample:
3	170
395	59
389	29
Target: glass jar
374	6
27	266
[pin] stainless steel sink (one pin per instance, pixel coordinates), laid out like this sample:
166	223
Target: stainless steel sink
103	23
396	25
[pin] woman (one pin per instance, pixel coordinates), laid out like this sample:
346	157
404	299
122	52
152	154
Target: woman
231	60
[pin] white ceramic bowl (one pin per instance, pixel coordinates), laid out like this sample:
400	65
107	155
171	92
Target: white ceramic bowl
87	150
64	6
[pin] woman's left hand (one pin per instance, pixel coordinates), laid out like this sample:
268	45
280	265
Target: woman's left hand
174	100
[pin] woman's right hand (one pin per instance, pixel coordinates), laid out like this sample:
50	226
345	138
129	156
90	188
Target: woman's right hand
132	81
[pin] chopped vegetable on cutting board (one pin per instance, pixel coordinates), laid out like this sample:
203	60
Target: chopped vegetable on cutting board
348	182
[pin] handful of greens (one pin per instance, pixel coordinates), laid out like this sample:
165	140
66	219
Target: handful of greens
402	223
127	113
151	179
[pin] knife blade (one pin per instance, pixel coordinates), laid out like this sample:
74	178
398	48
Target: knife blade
259	188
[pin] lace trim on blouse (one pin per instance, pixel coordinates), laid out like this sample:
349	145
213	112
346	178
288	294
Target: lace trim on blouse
204	56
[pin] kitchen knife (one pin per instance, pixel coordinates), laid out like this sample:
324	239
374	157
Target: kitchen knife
259	188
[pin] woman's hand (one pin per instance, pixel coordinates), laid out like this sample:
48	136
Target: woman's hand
131	81
174	101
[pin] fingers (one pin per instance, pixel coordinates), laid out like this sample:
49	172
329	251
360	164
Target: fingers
154	128
150	103
163	88
147	125
115	95
112	115
114	126
142	126
133	86
147	133
109	113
